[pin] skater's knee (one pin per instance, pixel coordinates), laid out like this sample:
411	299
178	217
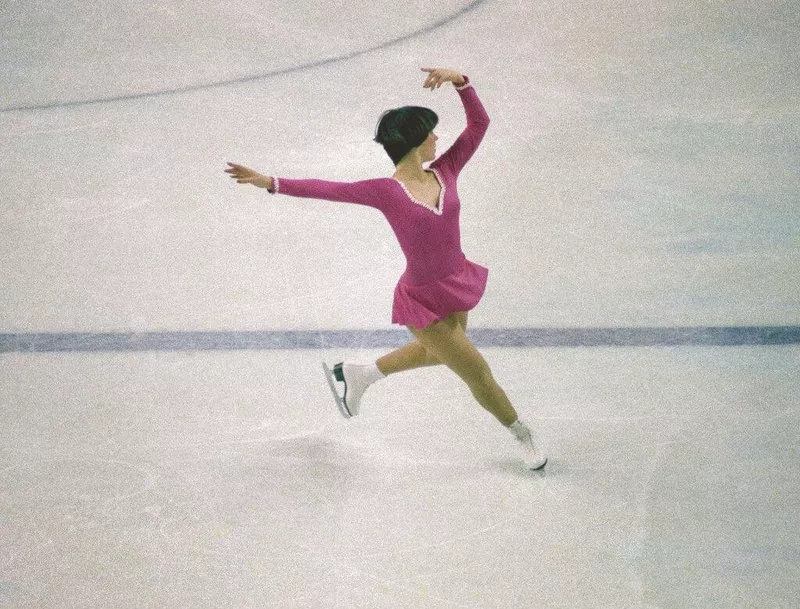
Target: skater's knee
448	344
431	359
480	378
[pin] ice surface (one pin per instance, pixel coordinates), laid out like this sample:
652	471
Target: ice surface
229	479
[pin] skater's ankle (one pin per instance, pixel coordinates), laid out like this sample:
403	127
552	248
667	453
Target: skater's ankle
373	373
519	429
383	372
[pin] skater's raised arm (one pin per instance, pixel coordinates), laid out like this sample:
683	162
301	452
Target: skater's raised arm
477	119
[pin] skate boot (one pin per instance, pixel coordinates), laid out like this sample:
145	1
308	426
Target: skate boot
532	451
355	379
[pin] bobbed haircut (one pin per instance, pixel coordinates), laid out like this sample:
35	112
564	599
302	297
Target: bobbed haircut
402	129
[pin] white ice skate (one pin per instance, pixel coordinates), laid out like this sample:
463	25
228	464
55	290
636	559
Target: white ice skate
355	384
532	450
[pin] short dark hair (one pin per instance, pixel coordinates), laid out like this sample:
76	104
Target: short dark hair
402	129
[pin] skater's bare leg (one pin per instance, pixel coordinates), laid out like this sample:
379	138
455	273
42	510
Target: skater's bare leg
447	341
414	354
408	357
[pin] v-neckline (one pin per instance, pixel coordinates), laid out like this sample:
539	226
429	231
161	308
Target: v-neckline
439	209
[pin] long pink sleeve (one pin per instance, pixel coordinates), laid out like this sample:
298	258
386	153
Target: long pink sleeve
372	192
365	192
429	237
467	143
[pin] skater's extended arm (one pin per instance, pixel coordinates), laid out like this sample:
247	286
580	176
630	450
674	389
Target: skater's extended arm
366	192
245	175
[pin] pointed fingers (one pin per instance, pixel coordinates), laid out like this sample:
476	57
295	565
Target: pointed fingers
432	79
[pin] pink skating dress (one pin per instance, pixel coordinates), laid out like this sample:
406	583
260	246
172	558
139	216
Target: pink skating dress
438	280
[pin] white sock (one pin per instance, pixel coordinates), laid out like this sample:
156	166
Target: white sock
372	373
519	429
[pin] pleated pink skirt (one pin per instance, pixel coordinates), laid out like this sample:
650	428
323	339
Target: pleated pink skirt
419	306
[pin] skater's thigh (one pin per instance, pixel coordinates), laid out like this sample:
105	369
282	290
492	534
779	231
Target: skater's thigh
461	319
449	343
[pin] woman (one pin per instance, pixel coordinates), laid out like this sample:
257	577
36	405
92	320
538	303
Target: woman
440	285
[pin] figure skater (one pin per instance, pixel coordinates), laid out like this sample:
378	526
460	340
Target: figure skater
439	285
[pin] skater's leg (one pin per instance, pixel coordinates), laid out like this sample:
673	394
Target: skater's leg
408	357
356	379
447	341
414	354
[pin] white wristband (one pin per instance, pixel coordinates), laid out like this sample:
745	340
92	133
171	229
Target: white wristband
466	84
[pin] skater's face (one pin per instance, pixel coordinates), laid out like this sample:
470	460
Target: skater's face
427	149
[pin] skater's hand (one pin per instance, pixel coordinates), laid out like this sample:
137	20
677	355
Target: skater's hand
245	175
438	76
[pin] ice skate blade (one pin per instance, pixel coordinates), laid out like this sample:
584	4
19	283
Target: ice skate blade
339	401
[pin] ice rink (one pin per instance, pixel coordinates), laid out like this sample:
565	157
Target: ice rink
167	438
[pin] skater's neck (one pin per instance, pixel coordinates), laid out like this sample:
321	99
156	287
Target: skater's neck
410	169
